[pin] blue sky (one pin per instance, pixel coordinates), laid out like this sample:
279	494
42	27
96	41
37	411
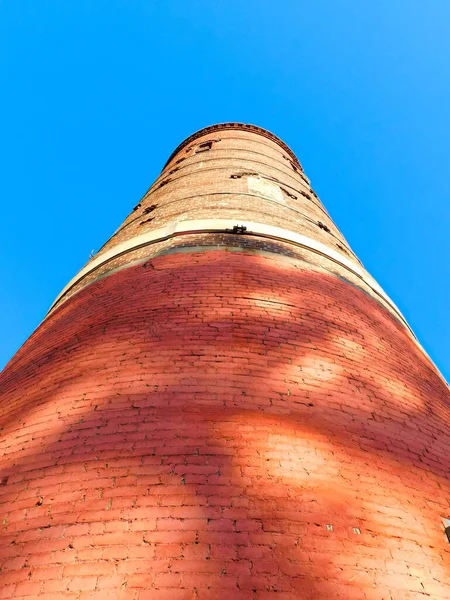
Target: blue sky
94	96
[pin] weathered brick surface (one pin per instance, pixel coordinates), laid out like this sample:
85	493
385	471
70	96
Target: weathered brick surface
191	428
219	423
214	184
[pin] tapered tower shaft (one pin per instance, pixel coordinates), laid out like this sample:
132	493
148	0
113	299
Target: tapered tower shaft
223	403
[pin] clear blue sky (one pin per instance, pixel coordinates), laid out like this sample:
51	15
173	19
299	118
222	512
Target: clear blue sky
95	94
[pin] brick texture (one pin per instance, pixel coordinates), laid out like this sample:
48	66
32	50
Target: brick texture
214	182
220	422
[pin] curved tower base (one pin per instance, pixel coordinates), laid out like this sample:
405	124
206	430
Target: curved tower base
221	415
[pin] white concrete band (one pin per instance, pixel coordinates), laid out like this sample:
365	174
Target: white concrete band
177	228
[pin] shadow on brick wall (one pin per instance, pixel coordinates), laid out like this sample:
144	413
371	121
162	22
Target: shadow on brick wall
227	426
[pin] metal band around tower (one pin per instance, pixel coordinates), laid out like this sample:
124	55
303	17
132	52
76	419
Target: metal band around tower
176	229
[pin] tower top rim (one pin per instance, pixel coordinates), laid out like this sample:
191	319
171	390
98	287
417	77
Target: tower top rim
239	126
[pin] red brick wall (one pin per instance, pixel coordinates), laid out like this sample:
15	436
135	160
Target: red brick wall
223	418
189	429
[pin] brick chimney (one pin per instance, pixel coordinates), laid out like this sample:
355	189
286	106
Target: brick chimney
224	404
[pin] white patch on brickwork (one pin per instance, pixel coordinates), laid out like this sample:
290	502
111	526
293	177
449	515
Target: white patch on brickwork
265	188
317	368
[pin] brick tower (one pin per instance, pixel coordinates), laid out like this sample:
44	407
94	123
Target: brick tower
223	404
